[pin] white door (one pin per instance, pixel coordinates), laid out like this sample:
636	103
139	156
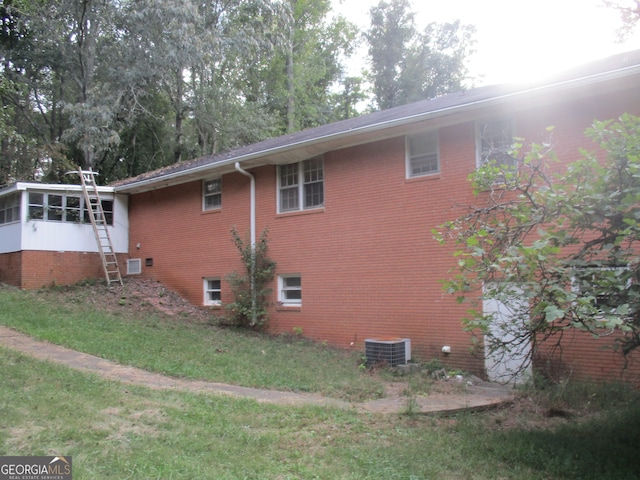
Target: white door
510	316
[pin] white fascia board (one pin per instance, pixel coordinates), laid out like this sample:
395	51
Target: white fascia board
51	187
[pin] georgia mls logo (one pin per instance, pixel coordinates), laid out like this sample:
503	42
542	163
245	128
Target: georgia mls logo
35	468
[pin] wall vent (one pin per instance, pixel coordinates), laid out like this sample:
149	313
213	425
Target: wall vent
134	266
390	351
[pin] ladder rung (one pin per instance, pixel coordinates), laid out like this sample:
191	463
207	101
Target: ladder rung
98	220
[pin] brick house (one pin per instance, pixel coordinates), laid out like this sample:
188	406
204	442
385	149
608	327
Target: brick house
350	209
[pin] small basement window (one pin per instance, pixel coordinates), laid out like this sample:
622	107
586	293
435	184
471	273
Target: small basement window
212	291
290	290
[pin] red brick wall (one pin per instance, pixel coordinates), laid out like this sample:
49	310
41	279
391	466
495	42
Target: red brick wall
368	262
36	269
11	268
579	354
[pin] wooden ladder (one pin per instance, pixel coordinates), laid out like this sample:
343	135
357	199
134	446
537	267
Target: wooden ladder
100	227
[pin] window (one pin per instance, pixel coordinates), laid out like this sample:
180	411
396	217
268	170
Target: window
212	194
10	208
134	266
608	287
55	210
64	208
422	155
73	209
301	185
212	291
290	289
36	206
494	142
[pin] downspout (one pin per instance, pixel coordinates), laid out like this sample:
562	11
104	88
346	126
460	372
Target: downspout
253	240
253	203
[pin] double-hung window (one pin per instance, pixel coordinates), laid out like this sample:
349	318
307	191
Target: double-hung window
494	141
301	185
422	155
290	290
212	194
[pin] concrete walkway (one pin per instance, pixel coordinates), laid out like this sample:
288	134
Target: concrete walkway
480	395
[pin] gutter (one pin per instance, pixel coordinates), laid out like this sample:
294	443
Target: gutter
465	107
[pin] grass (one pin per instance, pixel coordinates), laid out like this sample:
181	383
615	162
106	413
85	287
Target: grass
161	343
115	431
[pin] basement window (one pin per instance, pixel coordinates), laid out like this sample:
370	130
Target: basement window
212	291
290	290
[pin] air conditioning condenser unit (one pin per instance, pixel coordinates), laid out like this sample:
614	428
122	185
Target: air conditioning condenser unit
390	351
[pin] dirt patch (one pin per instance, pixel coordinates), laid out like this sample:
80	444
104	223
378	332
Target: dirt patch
138	296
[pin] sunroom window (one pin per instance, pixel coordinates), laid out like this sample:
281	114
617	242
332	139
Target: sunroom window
10	208
64	208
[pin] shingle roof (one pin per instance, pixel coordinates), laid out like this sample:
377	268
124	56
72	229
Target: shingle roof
379	120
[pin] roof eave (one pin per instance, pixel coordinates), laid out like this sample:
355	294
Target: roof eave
527	93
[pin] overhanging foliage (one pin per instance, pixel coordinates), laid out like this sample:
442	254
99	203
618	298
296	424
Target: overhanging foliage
563	239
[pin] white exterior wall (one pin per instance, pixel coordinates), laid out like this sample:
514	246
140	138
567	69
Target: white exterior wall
10	237
63	236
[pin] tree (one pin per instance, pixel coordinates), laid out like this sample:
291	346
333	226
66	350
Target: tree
566	241
629	15
295	84
408	65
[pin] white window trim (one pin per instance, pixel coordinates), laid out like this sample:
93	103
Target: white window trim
408	156
134	266
206	290
282	289
204	194
478	135
300	186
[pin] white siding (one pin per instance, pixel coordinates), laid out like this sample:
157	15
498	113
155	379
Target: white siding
63	236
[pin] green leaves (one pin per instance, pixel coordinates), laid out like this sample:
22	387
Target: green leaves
572	237
250	289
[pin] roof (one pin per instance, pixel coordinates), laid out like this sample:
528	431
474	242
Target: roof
383	124
49	187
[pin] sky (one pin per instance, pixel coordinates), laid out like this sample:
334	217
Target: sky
518	40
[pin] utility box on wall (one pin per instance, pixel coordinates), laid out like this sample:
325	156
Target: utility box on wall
392	352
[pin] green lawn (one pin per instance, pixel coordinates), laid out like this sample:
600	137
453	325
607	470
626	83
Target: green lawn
179	347
115	431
